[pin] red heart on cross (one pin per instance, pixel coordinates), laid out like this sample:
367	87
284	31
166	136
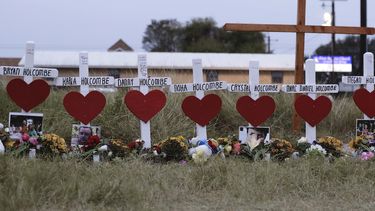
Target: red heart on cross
84	108
28	96
365	101
313	111
255	111
145	106
202	111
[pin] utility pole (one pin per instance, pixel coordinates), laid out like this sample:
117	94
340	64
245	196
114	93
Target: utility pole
269	40
332	78
363	38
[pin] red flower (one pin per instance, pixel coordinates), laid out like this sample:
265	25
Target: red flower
137	144
92	141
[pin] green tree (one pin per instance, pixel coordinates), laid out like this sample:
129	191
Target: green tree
202	35
245	42
199	35
162	36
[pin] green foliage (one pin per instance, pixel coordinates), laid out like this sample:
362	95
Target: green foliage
199	35
162	36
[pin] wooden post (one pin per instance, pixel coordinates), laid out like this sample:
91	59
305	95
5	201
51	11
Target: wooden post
198	86
300	58
143	74
143	82
300	43
29	59
368	71
310	79
310	88
253	88
84	71
198	78
253	80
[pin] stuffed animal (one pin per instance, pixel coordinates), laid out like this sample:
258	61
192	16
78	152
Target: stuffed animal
200	151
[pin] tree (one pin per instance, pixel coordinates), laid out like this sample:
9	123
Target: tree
199	35
202	35
162	36
245	42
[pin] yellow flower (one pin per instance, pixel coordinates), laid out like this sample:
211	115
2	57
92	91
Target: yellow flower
332	142
9	144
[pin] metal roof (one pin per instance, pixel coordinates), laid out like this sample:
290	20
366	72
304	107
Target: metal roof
216	61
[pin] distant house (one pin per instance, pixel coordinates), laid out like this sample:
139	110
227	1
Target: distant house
120	46
121	62
9	61
233	68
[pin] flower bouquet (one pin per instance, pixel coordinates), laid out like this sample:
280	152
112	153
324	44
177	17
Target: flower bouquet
360	144
332	145
53	144
118	148
90	147
173	148
280	149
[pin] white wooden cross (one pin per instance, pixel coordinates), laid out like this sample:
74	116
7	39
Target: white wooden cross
198	86
144	82
368	76
311	88
28	71
84	81
253	87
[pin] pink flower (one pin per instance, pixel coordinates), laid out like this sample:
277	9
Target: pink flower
367	155
25	137
237	148
33	141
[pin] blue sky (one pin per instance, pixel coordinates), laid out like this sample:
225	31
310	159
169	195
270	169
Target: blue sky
94	25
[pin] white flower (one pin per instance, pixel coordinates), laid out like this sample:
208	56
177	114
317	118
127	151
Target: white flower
103	148
302	140
372	149
316	148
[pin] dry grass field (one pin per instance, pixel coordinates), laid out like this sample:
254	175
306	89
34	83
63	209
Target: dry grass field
231	184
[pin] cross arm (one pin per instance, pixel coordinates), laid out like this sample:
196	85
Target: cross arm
298	28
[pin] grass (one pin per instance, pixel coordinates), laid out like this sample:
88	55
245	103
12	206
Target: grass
232	184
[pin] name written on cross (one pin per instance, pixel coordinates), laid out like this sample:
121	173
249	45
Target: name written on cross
358	80
33	72
89	81
193	87
306	88
150	81
255	88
